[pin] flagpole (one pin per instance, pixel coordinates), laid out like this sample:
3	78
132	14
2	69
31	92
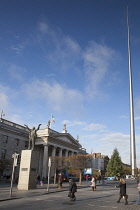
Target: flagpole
51	122
132	127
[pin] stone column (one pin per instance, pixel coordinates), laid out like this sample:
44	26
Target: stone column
72	153
66	155
60	152
60	155
40	167
53	161
54	152
45	162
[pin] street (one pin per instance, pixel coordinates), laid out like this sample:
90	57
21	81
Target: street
104	197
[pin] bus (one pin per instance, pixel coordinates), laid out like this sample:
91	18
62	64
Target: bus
69	174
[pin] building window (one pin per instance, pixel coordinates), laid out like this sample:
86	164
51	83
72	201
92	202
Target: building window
17	142
5	139
26	144
3	154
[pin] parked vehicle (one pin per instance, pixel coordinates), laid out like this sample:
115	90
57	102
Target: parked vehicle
69	174
130	177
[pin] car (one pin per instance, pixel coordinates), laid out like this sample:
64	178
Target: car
130	177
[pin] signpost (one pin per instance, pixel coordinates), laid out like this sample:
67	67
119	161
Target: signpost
15	163
49	167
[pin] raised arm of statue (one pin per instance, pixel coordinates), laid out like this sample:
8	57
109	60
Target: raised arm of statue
38	127
27	127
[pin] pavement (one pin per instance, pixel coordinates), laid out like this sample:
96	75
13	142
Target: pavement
5	194
42	190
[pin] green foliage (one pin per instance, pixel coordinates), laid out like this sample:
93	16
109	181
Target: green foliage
115	165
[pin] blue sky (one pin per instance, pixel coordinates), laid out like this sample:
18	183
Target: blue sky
69	58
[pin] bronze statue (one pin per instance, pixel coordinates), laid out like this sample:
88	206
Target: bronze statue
32	136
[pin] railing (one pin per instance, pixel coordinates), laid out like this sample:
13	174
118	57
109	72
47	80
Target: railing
13	124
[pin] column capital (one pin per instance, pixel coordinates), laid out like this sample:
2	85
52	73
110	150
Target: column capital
46	144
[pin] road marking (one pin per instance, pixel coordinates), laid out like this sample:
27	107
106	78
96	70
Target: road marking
90	205
103	206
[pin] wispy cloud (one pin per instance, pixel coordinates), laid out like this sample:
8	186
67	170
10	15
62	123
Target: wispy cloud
97	59
93	127
18	48
16	72
92	63
4	101
56	95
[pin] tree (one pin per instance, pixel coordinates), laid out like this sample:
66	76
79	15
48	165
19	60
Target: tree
79	162
115	165
58	163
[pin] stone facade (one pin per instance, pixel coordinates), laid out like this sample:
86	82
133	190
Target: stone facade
49	143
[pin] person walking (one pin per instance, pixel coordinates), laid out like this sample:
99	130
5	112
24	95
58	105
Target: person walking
60	180
122	186
38	179
138	199
93	183
72	189
103	179
87	177
99	178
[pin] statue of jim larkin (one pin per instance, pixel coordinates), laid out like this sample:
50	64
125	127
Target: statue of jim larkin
32	136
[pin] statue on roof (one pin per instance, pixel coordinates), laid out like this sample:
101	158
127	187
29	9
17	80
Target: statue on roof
64	126
49	123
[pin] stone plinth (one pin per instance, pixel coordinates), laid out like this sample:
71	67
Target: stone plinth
28	170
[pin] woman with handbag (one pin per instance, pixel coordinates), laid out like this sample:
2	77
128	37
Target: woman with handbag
72	189
122	186
93	183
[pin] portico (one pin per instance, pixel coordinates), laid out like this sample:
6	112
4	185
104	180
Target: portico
50	143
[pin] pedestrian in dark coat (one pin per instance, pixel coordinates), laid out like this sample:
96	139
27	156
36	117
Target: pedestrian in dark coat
138	199
60	180
72	189
99	178
122	186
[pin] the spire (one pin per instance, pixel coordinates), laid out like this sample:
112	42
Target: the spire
132	126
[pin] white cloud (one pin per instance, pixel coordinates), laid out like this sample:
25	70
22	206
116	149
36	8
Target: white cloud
57	96
74	123
91	63
19	47
137	118
97	59
55	44
93	127
4	99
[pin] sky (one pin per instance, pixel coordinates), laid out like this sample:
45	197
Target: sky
69	58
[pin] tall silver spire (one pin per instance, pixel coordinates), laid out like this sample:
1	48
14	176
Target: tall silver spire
132	126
